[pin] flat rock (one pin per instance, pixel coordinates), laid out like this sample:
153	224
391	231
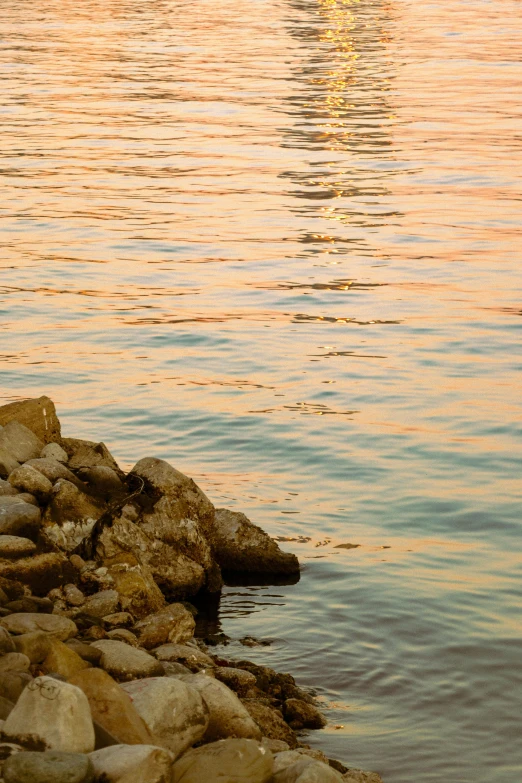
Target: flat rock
133	764
63	660
16	546
227	716
126	663
52	624
50	767
18	518
19	441
173	623
39	572
174	713
191	657
112	708
226	761
28	479
103	603
239	545
271	722
38	415
54	451
55	712
70	515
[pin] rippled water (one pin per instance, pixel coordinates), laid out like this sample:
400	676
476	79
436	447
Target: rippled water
277	242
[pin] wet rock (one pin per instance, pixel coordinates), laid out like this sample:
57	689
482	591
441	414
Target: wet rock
73	595
301	715
12	684
50	767
139	594
18	518
58	627
102	603
28	479
14	662
133	764
174	623
174	713
54	451
191	657
304	770
20	442
102	480
6	488
40	572
31	603
56	713
7	644
53	470
7	463
126	663
238	680
270	721
227	716
112	708
38	415
85	651
70	515
35	645
118	620
123	635
63	660
16	546
240	545
229	761
360	776
87	454
162	479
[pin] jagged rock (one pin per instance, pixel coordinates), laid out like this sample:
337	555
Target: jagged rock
14	662
102	480
192	657
38	415
20	442
304	770
35	645
6	488
162	479
270	721
133	764
360	776
102	603
238	680
87	454
85	651
53	470
18	518
40	572
239	545
174	623
50	767
139	594
70	516
63	660
12	547
229	761
112	708
54	451
56	713
174	713
7	463
12	684
301	715
52	624
227	716
126	663
28	479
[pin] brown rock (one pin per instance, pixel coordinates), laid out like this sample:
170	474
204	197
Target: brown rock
62	660
18	518
6	488
87	454
35	644
52	624
7	463
31	603
53	470
112	708
28	479
14	662
117	620
40	572
102	480
7	644
123	635
70	515
271	722
39	415
13	547
301	715
173	623
85	651
102	603
135	585
238	680
12	684
20	442
12	588
191	657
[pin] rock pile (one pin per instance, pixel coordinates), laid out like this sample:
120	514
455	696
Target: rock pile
101	678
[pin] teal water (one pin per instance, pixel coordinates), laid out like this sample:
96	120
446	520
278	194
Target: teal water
277	242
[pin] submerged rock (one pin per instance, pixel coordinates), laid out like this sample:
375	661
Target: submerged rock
229	761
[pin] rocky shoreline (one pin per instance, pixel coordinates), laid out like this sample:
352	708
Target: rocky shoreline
101	676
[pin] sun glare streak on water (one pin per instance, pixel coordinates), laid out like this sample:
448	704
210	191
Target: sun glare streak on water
277	243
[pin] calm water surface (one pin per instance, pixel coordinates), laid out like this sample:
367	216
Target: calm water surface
277	242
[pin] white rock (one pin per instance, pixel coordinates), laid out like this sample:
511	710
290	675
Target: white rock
56	712
174	713
227	715
54	451
133	764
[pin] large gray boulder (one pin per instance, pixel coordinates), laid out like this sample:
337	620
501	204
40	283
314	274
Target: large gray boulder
38	415
174	713
133	764
226	761
239	545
